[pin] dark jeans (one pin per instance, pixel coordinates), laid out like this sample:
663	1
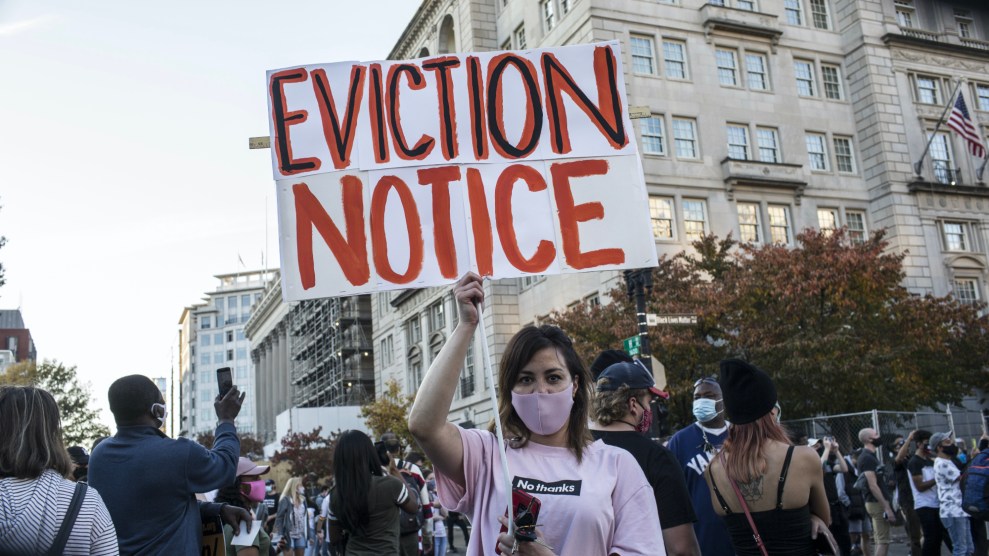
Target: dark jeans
839	528
457	519
912	526
934	531
979	537
408	544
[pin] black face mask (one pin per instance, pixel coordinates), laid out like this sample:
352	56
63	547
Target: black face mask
950	451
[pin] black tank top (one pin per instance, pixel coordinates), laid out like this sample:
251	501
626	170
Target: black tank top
784	532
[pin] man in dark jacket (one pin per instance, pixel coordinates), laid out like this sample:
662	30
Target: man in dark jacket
149	481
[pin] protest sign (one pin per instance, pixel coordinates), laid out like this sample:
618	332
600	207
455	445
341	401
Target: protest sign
399	174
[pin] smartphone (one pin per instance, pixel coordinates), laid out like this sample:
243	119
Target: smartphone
224	380
525	510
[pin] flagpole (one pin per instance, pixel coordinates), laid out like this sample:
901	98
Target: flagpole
982	168
499	433
919	165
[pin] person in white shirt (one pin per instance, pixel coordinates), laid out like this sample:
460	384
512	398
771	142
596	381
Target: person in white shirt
949	494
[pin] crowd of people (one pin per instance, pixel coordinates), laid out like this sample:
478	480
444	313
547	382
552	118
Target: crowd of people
582	477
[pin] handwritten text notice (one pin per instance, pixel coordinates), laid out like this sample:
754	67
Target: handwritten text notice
410	173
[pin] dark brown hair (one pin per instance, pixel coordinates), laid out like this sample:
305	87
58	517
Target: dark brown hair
520	350
31	442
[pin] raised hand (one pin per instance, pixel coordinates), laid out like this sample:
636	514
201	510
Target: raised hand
469	293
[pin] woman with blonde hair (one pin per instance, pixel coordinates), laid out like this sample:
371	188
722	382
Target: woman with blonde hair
291	519
594	497
35	492
769	492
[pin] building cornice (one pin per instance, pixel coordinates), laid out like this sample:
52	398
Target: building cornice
933	45
270	301
418	26
921	186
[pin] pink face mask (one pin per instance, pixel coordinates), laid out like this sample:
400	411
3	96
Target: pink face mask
255	491
544	414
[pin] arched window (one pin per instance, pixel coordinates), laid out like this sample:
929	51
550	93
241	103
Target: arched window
424	52
448	40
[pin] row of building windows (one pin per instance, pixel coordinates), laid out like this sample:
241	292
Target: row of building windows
549	10
206	339
207	378
756	219
742	68
928	90
435	317
222	356
906	16
751	218
765	149
552	11
737	67
230	306
435	320
815	13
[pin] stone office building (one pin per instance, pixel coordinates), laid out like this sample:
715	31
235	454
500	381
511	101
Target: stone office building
307	354
765	117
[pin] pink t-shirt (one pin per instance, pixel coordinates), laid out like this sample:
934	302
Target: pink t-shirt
604	505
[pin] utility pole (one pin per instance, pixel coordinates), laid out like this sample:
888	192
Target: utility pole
638	285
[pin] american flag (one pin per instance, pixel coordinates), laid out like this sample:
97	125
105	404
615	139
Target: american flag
961	122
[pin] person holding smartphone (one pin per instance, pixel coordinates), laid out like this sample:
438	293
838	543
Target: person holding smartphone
149	481
594	498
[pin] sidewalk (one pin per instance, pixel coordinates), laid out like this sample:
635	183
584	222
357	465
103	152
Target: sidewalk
899	546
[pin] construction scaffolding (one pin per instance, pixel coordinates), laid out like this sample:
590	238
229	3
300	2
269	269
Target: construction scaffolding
332	357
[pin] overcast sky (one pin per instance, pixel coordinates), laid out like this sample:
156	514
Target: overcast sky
125	177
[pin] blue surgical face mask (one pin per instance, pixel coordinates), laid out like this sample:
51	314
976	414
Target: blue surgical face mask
705	409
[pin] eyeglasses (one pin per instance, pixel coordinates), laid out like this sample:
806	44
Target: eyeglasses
706	380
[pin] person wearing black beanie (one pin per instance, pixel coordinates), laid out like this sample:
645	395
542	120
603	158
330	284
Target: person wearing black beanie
606	359
749	392
760	473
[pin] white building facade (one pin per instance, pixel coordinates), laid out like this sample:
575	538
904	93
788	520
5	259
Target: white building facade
211	337
765	117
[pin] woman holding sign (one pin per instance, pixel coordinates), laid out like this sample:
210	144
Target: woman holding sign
592	498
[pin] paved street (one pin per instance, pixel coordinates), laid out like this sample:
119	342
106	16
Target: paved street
898	547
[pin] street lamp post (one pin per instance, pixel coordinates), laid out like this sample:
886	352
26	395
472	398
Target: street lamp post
638	284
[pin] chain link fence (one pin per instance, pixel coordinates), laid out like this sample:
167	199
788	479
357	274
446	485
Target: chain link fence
844	428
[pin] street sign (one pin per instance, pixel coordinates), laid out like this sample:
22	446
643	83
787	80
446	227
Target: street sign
631	345
259	142
636	112
656	320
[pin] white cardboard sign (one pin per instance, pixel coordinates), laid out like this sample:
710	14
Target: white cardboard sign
400	174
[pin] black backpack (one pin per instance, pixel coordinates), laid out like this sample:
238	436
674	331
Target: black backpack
411	522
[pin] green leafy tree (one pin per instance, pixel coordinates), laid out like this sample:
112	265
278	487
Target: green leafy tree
250	446
828	319
389	413
306	453
81	424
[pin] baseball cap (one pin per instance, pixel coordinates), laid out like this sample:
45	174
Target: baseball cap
79	455
633	375
936	440
813	441
248	467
